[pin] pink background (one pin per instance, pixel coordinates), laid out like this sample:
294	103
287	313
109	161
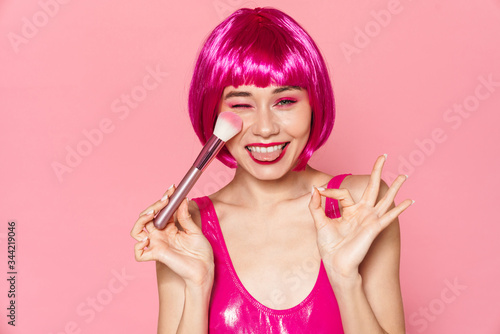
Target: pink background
67	67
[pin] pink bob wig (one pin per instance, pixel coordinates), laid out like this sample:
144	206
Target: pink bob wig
261	47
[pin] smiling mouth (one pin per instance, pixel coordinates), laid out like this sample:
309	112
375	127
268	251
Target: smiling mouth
267	154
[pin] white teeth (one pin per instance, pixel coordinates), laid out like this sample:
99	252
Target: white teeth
269	149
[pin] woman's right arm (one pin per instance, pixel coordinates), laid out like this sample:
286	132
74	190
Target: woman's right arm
171	299
184	267
180	304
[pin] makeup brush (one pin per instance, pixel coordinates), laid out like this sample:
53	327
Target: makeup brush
227	126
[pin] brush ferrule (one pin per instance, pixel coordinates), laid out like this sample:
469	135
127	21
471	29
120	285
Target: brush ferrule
208	153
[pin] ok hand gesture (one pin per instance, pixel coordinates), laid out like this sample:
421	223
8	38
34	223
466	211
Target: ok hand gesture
344	242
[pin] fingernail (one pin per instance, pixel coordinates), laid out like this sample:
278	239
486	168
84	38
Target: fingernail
312	190
149	212
146	238
406	176
187	200
165	197
385	155
412	201
321	188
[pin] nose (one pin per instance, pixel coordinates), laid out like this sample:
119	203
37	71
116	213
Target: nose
265	123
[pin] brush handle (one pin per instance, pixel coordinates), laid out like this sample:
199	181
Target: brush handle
207	154
177	197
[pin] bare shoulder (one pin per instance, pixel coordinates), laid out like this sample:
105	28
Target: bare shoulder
356	184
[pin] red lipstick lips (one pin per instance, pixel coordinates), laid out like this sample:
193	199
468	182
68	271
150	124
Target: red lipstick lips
268	145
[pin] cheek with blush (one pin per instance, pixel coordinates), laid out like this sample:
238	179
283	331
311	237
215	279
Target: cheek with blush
232	145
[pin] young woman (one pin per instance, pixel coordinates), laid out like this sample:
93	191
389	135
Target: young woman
265	254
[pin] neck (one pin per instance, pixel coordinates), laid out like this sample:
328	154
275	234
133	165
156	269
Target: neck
257	192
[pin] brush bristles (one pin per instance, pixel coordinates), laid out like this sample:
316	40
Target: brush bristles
228	125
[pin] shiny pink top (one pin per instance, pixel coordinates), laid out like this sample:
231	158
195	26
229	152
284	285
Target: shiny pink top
232	308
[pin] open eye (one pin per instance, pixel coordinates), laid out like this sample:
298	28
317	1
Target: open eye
285	102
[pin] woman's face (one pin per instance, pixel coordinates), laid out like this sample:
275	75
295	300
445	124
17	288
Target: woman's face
276	126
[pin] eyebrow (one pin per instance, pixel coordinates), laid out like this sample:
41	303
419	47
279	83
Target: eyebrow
235	93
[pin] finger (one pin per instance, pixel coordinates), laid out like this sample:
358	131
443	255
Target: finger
148	214
138	232
168	193
150	227
184	218
371	192
342	195
387	219
161	203
171	229
316	209
385	203
140	253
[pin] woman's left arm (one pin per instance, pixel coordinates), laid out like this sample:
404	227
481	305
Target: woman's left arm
377	293
361	250
380	273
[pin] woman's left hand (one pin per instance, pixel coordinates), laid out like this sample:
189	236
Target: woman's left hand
344	242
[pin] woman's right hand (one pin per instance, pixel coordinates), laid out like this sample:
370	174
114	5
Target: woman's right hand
186	252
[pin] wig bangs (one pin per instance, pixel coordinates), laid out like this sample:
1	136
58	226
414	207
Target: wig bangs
262	58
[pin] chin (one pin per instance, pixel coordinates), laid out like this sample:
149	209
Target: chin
270	172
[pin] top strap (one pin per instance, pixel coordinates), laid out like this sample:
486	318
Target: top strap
332	205
206	213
